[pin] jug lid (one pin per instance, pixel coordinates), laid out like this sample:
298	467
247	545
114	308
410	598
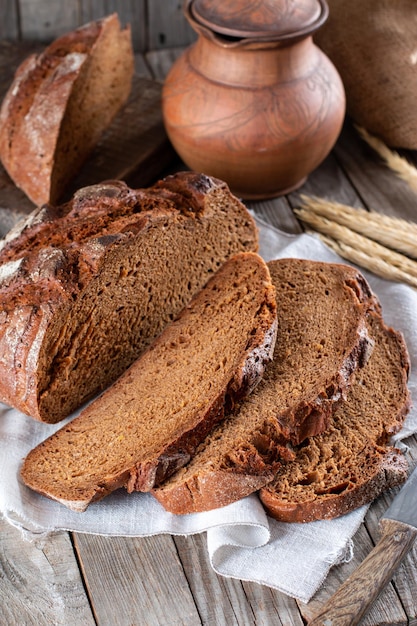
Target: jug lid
270	19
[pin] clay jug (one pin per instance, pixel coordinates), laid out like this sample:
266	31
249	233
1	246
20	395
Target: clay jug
253	101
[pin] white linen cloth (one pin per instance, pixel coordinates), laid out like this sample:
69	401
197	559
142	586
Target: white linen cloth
242	541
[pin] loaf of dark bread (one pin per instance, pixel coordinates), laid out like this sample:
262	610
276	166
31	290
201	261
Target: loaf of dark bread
322	339
59	104
151	420
352	462
87	286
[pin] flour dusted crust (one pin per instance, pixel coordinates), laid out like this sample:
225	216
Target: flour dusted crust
352	462
59	104
86	286
322	342
149	423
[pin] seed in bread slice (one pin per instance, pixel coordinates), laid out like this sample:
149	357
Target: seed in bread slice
151	420
59	104
322	339
352	462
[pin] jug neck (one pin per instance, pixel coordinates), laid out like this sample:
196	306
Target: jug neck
252	67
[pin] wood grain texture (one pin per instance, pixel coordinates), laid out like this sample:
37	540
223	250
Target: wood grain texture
167	26
44	20
136	581
380	189
160	61
277	212
228	602
40	585
155	24
9	23
353	599
131	12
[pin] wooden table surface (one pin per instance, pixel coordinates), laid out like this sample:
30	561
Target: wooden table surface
77	579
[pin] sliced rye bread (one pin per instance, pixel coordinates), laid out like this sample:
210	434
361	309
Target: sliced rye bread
352	462
59	104
322	339
151	420
87	286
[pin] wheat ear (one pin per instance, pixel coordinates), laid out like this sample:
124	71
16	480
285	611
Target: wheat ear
361	250
405	170
375	265
396	233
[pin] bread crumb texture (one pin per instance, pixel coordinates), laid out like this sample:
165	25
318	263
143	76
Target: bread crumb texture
88	285
151	420
322	343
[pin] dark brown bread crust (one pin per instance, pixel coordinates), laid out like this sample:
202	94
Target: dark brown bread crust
352	463
210	357
50	103
86	286
322	340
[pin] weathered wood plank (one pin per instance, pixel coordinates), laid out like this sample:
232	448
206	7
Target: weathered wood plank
270	607
167	26
278	213
142	69
131	12
226	601
219	601
380	189
160	61
9	23
136	581
40	586
44	20
328	181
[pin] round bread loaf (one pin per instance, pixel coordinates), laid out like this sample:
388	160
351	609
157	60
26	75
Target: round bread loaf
85	287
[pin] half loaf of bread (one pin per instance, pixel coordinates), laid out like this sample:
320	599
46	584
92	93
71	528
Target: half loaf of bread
352	462
87	286
322	339
151	420
59	104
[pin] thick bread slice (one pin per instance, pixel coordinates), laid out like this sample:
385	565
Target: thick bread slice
321	340
87	286
59	104
151	420
352	462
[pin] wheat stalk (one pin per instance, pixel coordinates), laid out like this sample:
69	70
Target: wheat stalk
396	233
405	170
375	265
361	250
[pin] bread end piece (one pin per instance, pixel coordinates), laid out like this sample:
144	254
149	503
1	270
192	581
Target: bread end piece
59	104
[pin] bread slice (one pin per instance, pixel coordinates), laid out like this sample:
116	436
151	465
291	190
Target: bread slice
87	286
322	339
59	104
151	420
352	462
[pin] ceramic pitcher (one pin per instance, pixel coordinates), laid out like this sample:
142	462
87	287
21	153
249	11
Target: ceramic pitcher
254	101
